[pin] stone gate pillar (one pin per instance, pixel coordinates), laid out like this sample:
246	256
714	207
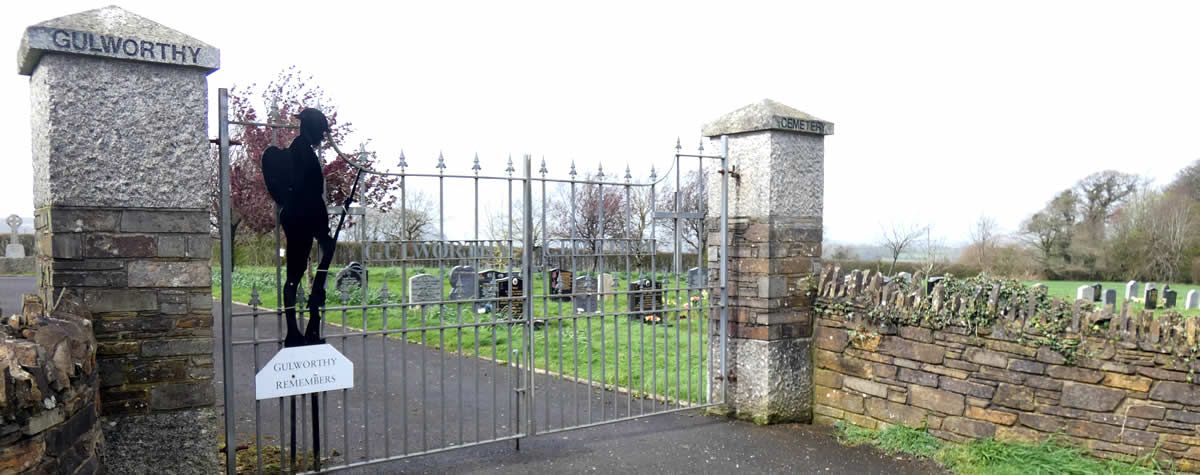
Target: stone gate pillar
776	157
121	194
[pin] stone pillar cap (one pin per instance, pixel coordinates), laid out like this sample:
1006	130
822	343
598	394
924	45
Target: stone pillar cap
767	115
113	32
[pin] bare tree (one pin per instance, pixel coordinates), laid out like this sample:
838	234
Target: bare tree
984	237
896	238
1172	229
932	250
417	221
502	224
587	215
641	217
691	200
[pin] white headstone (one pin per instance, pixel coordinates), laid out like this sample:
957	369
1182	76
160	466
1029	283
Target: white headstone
607	283
424	288
1193	300
14	248
1131	289
1085	293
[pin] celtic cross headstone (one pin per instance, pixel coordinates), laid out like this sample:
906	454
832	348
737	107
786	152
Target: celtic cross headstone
14	248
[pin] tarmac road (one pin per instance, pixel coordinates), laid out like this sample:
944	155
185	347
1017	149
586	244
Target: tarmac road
682	442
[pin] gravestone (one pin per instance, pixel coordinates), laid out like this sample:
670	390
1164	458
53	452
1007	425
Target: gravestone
607	283
1110	297
933	282
1192	301
585	294
695	278
905	277
349	278
648	300
489	290
424	288
1131	289
490	275
1169	297
464	283
14	248
552	279
1097	292
1146	291
1151	297
564	283
1084	292
514	287
635	297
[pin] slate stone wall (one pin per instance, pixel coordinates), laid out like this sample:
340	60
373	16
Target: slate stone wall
48	391
144	274
1127	392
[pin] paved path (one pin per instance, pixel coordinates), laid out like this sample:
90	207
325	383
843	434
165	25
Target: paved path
683	442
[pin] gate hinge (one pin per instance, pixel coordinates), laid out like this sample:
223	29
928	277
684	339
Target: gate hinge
732	172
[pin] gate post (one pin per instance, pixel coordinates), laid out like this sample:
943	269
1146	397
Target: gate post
776	180
121	166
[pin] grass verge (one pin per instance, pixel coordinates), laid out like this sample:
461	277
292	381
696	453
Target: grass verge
992	457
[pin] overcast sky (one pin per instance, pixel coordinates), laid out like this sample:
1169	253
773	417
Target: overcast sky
944	110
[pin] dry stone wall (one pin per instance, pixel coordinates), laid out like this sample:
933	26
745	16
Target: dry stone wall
976	361
48	392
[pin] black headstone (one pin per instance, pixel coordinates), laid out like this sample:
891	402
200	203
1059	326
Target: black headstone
584	299
1110	297
514	287
932	282
1169	297
646	298
1151	299
1096	292
351	277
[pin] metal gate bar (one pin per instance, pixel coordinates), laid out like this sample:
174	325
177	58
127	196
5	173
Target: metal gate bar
504	344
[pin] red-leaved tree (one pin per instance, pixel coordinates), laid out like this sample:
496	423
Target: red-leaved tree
288	94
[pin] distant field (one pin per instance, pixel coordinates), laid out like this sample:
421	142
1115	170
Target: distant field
1067	288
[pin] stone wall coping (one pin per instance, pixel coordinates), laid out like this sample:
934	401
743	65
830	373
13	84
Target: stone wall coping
113	32
767	115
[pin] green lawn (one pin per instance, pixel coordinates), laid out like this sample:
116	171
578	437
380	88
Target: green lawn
1066	289
667	360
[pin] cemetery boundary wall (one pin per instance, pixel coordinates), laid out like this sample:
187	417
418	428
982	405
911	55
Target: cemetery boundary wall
48	387
1124	390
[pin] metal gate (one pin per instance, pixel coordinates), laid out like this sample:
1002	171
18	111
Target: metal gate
563	310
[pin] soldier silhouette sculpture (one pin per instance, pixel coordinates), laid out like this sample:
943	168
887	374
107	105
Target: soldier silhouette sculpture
296	181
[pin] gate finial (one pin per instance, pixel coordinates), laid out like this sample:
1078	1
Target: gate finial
441	163
254	300
403	162
384	295
628	175
653	174
543	170
476	166
510	168
600	174
678	146
573	170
